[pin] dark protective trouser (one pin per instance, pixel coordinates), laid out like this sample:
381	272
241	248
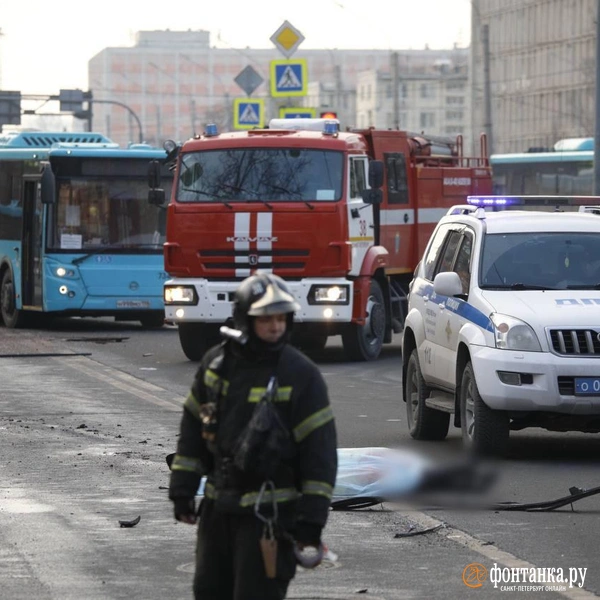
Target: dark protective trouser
229	563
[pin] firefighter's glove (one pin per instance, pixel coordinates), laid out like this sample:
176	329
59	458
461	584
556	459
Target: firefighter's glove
308	534
185	510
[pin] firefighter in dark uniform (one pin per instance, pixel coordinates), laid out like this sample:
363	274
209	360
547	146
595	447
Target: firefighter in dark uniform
243	509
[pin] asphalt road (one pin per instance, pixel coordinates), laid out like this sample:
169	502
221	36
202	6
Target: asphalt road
89	410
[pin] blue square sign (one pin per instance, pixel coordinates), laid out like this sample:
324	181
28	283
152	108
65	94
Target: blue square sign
248	113
289	78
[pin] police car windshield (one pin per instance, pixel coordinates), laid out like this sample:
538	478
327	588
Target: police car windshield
534	261
261	175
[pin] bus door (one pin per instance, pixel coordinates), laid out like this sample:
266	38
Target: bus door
31	248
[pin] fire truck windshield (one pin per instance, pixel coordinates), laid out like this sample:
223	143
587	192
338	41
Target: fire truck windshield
261	175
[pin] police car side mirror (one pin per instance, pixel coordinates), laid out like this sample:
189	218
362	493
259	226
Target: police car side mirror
447	284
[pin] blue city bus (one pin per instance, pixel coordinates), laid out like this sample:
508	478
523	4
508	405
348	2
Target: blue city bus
566	170
77	234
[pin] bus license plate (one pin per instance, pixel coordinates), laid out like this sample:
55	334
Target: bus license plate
587	386
133	304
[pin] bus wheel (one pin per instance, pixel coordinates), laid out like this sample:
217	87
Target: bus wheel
11	315
364	342
197	338
153	320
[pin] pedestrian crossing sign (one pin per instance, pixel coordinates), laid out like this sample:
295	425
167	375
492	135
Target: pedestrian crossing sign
248	113
289	77
297	113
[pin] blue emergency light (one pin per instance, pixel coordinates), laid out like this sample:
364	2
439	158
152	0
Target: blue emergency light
331	127
491	200
211	130
535	201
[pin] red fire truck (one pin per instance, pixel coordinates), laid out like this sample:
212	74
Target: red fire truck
343	217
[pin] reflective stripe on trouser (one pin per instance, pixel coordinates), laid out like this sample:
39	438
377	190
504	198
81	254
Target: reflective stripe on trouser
186	463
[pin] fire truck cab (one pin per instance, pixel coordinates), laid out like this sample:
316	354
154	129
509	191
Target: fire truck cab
343	217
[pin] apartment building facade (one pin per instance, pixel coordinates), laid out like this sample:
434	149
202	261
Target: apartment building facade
428	96
174	82
542	71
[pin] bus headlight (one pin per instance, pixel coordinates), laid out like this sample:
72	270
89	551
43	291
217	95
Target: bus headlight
62	272
328	294
180	294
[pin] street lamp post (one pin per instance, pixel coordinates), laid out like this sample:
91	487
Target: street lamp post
121	104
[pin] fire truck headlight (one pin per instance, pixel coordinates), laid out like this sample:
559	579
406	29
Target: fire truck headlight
180	294
328	313
330	294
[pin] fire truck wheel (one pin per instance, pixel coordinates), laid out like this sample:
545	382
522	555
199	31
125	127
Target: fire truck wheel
153	320
11	315
312	343
364	342
197	338
424	423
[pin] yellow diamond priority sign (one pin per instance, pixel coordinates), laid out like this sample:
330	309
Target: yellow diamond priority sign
287	39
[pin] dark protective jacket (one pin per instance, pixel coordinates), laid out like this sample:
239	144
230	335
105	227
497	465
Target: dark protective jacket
303	482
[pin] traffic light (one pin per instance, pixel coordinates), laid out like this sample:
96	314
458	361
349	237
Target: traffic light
329	114
10	108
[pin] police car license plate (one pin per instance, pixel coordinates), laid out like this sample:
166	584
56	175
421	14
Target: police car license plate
133	304
587	386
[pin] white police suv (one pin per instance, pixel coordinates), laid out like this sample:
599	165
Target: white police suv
503	323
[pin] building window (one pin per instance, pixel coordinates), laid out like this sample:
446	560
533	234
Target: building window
427	119
426	90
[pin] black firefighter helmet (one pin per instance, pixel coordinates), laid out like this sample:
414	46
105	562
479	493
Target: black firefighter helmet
262	294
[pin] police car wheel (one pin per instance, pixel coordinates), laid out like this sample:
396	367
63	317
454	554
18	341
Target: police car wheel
484	431
11	315
424	423
197	338
364	342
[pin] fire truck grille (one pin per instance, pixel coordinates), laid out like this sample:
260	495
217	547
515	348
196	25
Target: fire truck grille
572	342
279	258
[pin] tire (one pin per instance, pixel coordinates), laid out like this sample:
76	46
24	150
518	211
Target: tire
364	342
484	431
197	338
310	343
424	423
13	317
153	320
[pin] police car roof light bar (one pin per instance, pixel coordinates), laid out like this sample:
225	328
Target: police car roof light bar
491	200
530	200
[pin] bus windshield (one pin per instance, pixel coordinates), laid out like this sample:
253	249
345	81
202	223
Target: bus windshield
261	174
111	213
543	173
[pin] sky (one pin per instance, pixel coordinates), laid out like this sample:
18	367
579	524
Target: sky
45	45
